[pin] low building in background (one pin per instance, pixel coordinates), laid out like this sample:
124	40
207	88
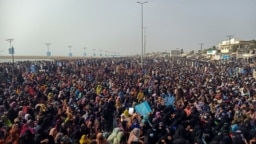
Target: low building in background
175	53
232	45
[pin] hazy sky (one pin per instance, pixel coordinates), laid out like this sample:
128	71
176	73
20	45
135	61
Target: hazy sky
115	25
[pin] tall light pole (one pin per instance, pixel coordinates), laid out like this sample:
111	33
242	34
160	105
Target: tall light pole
11	51
84	51
229	38
201	46
229	44
70	54
142	41
48	52
145	28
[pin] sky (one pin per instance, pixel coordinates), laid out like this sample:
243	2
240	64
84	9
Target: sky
115	25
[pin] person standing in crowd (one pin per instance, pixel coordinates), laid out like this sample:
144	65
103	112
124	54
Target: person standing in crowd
96	101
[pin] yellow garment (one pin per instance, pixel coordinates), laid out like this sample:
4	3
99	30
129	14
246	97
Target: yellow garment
98	89
42	107
140	96
50	96
68	118
126	113
84	140
6	121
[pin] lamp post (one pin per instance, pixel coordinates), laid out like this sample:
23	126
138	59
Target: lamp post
229	38
11	51
144	53
229	44
201	46
48	52
142	43
70	54
84	51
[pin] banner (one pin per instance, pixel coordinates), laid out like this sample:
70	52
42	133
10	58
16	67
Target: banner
143	108
11	50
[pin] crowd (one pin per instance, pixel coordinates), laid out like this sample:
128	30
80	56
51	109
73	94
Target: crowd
88	102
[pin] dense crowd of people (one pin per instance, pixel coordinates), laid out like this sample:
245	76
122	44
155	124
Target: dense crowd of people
88	102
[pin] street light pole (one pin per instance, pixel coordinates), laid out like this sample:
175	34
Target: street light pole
70	54
48	45
145	53
12	52
84	51
201	46
229	38
142	35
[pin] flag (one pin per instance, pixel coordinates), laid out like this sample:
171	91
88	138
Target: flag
143	108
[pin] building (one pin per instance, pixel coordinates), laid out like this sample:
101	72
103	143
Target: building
175	53
233	45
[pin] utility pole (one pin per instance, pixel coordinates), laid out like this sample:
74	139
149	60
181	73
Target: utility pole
229	43
229	38
48	52
84	51
201	46
142	35
11	51
145	53
70	54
